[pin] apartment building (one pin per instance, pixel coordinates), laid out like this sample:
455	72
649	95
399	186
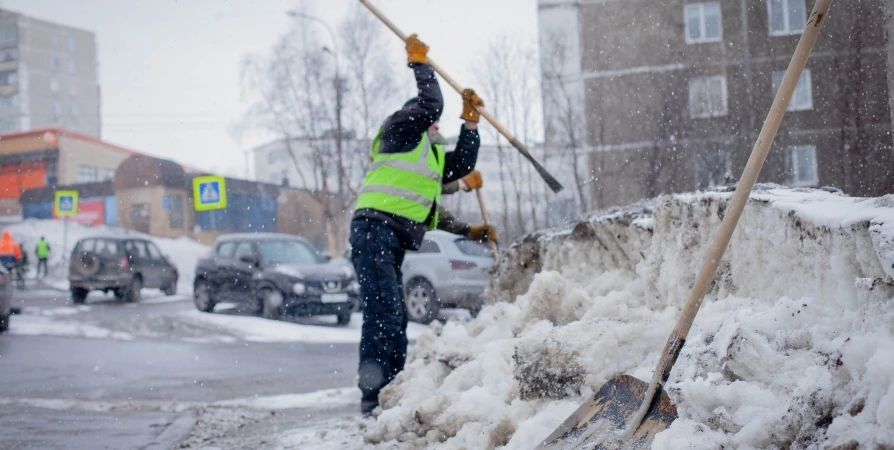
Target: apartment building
48	76
669	96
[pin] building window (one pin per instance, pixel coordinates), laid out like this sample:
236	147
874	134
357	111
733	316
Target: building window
57	109
71	66
9	78
55	39
54	62
711	170
707	97
108	174
802	99
7	125
54	85
9	54
786	17
800	166
7	101
73	88
703	22
71	44
174	206
86	174
9	33
73	109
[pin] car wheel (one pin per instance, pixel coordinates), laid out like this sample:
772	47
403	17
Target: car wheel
202	296
271	303
134	291
422	303
4	323
79	296
343	318
171	288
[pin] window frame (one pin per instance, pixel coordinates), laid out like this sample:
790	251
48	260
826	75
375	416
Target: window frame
81	171
702	39
805	75
786	17
791	166
724	97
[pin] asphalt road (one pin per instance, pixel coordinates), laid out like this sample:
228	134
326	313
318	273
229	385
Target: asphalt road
70	382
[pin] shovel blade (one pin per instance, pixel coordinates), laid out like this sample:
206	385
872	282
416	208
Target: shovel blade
601	422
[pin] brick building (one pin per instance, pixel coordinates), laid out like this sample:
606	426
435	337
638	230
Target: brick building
659	97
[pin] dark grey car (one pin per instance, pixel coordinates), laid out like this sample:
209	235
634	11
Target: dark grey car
121	265
274	274
5	298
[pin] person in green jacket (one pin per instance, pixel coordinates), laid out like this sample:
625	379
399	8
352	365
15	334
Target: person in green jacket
42	250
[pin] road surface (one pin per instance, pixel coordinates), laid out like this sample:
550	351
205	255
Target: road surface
159	374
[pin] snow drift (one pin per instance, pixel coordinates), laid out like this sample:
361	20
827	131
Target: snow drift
793	348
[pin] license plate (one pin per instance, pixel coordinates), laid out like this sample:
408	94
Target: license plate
334	298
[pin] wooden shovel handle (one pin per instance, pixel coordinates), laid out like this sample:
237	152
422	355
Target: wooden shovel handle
737	203
493	245
547	177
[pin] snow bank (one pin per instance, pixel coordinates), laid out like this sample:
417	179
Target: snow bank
183	252
793	348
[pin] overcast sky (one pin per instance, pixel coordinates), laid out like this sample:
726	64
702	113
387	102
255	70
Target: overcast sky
169	70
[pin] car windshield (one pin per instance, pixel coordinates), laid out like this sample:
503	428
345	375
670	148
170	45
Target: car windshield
473	248
288	252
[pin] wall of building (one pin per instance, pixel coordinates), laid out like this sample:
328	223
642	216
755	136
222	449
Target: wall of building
76	152
642	139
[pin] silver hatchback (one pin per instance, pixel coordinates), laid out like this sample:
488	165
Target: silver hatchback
448	271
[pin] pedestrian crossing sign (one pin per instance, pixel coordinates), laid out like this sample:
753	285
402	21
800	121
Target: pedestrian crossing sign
209	192
66	204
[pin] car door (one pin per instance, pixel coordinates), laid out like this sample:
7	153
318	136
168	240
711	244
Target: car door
223	271
141	262
163	271
244	271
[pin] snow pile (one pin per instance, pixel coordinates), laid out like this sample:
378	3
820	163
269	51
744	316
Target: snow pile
183	252
793	348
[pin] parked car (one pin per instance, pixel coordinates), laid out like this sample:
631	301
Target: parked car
6	282
122	265
275	274
448	271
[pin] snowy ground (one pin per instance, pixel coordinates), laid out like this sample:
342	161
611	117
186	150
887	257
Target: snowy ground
183	252
793	348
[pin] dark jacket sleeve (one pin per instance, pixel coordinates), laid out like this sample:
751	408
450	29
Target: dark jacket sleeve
450	188
462	160
402	130
449	223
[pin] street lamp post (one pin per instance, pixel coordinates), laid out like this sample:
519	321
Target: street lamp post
339	136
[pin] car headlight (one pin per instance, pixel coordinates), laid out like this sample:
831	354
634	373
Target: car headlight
354	287
299	288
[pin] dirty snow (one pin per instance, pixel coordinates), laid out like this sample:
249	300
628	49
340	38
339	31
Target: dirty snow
793	348
45	325
304	329
183	252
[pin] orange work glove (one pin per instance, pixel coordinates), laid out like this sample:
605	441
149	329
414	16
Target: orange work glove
417	51
473	180
483	233
470	101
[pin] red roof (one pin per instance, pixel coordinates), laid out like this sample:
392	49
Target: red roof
39	132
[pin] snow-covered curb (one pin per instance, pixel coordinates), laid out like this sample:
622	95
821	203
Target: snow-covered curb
794	347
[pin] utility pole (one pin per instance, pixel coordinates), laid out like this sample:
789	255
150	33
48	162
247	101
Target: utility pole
339	88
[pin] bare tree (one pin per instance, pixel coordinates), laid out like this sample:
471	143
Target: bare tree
566	118
511	90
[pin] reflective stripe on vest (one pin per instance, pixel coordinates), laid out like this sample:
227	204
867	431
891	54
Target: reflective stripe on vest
405	184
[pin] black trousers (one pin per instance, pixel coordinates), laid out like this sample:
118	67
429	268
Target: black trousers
42	263
377	256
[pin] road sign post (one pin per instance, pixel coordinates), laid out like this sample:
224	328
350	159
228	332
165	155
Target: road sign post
65	206
209	193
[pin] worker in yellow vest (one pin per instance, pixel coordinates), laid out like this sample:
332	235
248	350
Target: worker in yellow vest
396	205
42	251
